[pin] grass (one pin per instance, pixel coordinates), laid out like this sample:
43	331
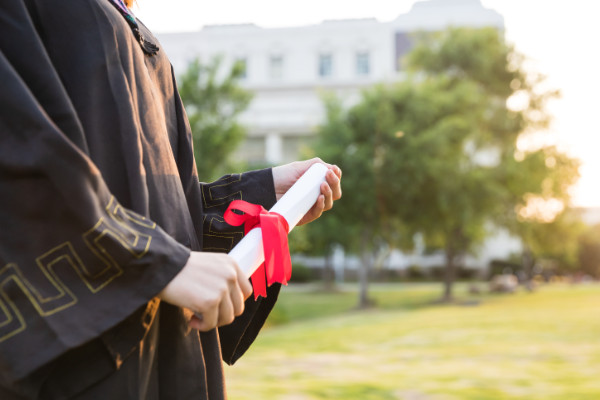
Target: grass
542	345
308	302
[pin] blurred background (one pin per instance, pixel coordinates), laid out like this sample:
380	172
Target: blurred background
463	260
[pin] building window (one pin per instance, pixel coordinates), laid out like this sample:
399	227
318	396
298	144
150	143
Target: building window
325	65
242	64
276	66
363	66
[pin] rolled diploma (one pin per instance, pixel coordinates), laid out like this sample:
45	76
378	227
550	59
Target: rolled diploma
296	202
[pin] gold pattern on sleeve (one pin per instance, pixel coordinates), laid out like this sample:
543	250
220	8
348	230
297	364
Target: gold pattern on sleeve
48	305
216	240
11	319
49	294
218	194
99	278
121	227
213	194
121	216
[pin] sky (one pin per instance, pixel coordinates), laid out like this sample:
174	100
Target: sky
557	36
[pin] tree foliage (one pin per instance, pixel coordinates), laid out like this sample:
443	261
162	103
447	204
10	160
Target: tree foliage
438	154
520	179
213	102
589	251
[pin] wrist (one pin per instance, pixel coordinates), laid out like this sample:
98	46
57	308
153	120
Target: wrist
278	175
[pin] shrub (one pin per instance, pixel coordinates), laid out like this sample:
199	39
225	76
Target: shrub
301	274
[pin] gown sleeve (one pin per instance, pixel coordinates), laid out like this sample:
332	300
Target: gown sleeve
73	261
255	187
208	202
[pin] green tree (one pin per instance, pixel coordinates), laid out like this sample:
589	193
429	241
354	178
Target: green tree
554	241
361	222
589	251
512	106
402	148
437	153
547	228
213	102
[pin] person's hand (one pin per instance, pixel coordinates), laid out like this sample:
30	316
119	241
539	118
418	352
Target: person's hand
284	176
212	286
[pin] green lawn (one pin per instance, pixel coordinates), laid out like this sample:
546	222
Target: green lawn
542	345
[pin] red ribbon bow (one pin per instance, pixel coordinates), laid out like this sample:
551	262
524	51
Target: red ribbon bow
278	264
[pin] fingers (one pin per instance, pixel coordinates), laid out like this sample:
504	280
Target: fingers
331	189
236	298
333	179
226	312
212	286
244	285
315	212
222	313
284	176
327	194
231	302
210	318
337	171
196	321
304	165
230	307
240	292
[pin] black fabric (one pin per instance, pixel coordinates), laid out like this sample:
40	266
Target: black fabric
100	205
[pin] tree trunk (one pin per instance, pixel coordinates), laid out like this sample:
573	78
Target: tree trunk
449	274
528	264
363	272
328	273
363	278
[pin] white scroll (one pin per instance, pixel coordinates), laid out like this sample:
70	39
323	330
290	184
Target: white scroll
292	206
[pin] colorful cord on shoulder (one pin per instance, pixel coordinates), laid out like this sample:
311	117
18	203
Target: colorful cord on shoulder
147	46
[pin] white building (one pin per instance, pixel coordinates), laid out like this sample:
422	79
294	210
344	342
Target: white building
289	68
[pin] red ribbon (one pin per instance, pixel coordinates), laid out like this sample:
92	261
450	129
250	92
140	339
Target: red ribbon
278	264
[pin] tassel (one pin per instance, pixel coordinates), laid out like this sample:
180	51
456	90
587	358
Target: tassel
148	47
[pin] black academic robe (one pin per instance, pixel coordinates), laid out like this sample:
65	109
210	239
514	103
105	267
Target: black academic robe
99	208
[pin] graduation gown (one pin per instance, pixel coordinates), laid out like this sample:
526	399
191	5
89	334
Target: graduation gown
100	206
